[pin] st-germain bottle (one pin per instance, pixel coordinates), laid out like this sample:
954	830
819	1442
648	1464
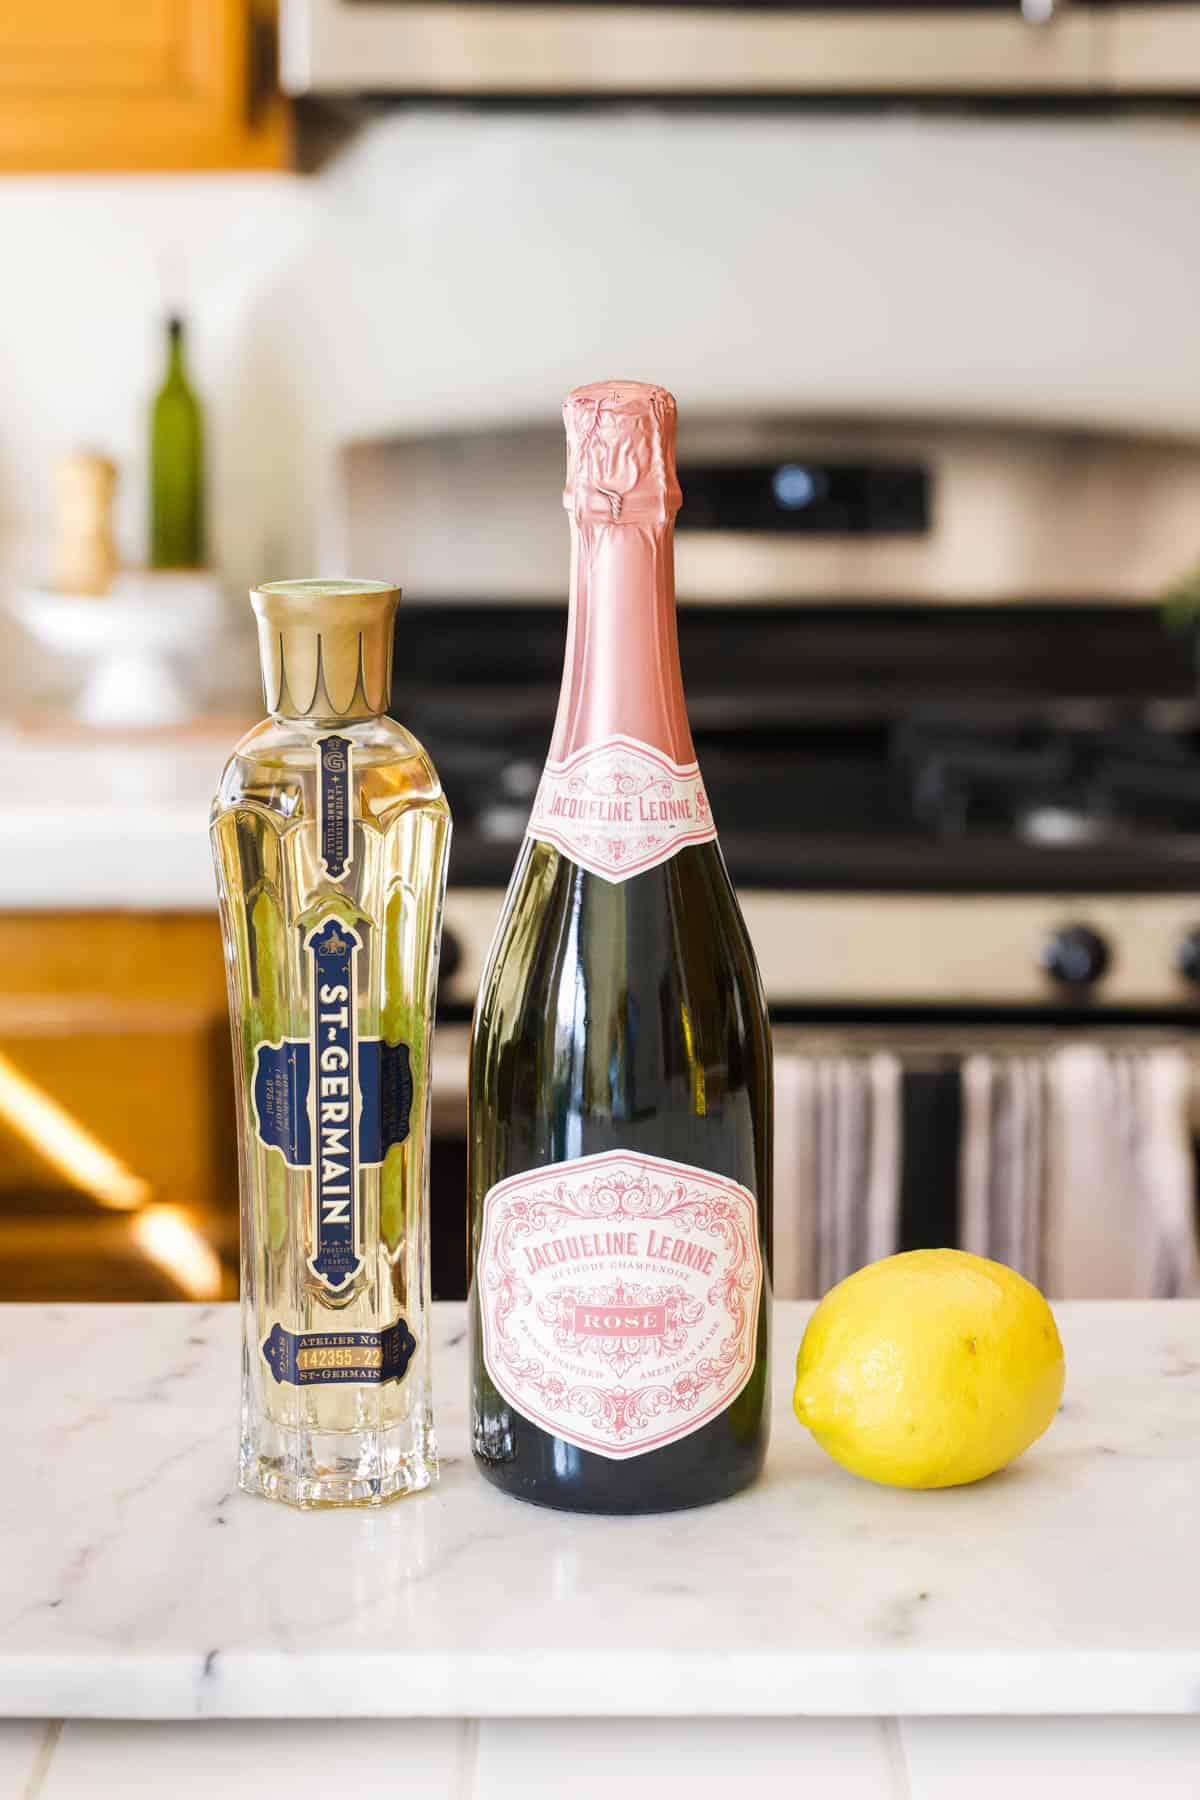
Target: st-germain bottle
330	833
620	1084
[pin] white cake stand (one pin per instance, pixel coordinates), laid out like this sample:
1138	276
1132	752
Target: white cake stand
138	637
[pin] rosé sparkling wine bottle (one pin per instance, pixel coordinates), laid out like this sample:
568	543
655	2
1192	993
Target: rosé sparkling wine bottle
620	1089
330	833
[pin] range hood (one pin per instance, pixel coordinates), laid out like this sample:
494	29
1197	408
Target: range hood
867	49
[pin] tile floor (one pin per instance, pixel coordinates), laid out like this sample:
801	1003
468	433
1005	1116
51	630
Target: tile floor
589	1759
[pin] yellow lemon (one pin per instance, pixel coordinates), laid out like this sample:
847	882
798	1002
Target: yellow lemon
929	1369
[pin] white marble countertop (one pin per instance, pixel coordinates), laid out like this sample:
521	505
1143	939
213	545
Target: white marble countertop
137	1583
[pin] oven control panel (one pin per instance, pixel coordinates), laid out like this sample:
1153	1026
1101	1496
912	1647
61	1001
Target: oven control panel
1137	951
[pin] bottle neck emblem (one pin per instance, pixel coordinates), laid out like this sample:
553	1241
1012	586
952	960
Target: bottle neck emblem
621	807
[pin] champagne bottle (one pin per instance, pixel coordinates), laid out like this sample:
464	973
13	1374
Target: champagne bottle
176	466
330	832
620	1082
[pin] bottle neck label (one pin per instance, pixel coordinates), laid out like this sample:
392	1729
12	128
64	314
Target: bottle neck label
335	815
619	1296
621	807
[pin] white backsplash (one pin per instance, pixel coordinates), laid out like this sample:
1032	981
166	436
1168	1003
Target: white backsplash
455	266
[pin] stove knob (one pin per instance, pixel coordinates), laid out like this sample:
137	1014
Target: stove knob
1076	956
1187	956
452	955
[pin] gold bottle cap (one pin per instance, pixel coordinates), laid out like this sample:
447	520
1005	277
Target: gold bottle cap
326	647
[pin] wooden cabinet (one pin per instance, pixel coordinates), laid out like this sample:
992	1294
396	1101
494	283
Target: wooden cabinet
118	1148
140	84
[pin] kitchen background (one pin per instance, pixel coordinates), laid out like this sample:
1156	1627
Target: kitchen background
932	329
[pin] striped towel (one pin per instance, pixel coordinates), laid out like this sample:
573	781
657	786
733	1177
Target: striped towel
837	1166
1075	1167
1003	1153
1120	1214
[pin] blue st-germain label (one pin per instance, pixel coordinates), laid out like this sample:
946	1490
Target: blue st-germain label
334	810
311	1357
333	1103
333	1003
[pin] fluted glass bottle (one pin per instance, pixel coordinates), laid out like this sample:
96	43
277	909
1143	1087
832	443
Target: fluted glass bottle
330	834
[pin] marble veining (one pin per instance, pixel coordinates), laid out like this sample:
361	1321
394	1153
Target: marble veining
136	1582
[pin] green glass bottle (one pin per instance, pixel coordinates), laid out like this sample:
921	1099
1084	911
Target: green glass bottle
176	466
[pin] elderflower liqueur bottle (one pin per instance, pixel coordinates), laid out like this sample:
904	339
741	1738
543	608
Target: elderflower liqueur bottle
620	1087
330	833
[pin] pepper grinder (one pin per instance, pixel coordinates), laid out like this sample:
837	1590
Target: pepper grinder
86	554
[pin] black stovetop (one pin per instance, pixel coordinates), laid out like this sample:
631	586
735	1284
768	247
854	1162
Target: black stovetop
1029	749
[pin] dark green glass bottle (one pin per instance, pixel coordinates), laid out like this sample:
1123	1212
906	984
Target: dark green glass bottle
176	465
619	1142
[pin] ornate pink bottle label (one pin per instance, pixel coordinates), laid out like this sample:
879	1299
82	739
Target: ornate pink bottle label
619	1296
620	807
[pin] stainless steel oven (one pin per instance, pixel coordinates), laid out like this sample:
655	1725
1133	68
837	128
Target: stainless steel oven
953	750
578	48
